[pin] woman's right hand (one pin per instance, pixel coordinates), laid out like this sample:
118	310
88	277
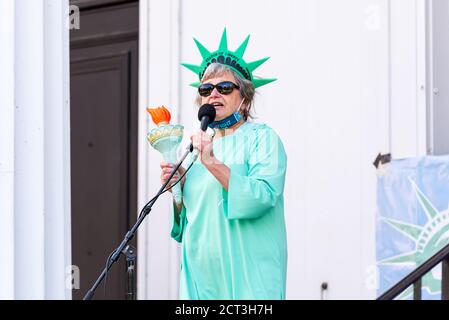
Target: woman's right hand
167	168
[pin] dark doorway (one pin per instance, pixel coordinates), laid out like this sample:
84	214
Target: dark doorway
104	100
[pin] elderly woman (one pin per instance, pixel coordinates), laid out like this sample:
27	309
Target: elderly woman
231	222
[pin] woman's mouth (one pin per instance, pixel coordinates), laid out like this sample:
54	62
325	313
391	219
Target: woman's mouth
217	105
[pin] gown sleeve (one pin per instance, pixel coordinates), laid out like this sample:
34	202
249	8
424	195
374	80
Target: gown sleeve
255	193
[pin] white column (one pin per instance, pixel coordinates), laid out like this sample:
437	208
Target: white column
40	126
29	150
7	150
143	190
158	254
56	150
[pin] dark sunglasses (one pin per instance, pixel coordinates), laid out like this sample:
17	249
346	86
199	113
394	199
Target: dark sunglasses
225	87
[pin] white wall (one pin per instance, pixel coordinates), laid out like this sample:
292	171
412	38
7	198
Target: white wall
438	61
351	84
7	150
35	144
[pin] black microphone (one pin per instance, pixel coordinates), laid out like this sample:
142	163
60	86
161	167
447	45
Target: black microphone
206	114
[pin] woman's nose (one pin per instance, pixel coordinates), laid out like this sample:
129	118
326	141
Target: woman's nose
215	93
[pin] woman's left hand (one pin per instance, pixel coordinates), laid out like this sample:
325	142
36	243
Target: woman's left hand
203	142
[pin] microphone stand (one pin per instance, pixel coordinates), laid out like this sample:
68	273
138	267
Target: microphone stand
130	254
132	232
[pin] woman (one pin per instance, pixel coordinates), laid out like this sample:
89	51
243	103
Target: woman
231	222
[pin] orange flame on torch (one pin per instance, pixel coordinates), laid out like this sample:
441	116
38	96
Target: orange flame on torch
160	115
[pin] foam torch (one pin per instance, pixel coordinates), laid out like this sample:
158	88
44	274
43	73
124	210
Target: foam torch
166	139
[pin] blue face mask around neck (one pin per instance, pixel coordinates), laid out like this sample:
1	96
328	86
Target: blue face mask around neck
229	121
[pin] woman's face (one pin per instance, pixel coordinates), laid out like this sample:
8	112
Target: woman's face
225	105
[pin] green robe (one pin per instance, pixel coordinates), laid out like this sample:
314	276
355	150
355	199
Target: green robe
234	243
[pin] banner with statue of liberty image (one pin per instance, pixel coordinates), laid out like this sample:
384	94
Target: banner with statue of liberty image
412	221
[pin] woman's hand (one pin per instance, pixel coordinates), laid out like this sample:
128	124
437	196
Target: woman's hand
167	168
203	143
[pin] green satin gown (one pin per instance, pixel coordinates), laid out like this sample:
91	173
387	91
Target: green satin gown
234	242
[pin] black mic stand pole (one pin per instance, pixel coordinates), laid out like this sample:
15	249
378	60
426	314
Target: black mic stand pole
131	256
131	233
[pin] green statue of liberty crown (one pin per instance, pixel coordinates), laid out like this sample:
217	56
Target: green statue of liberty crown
232	59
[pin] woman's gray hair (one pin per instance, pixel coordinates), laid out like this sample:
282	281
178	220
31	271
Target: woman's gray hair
247	89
